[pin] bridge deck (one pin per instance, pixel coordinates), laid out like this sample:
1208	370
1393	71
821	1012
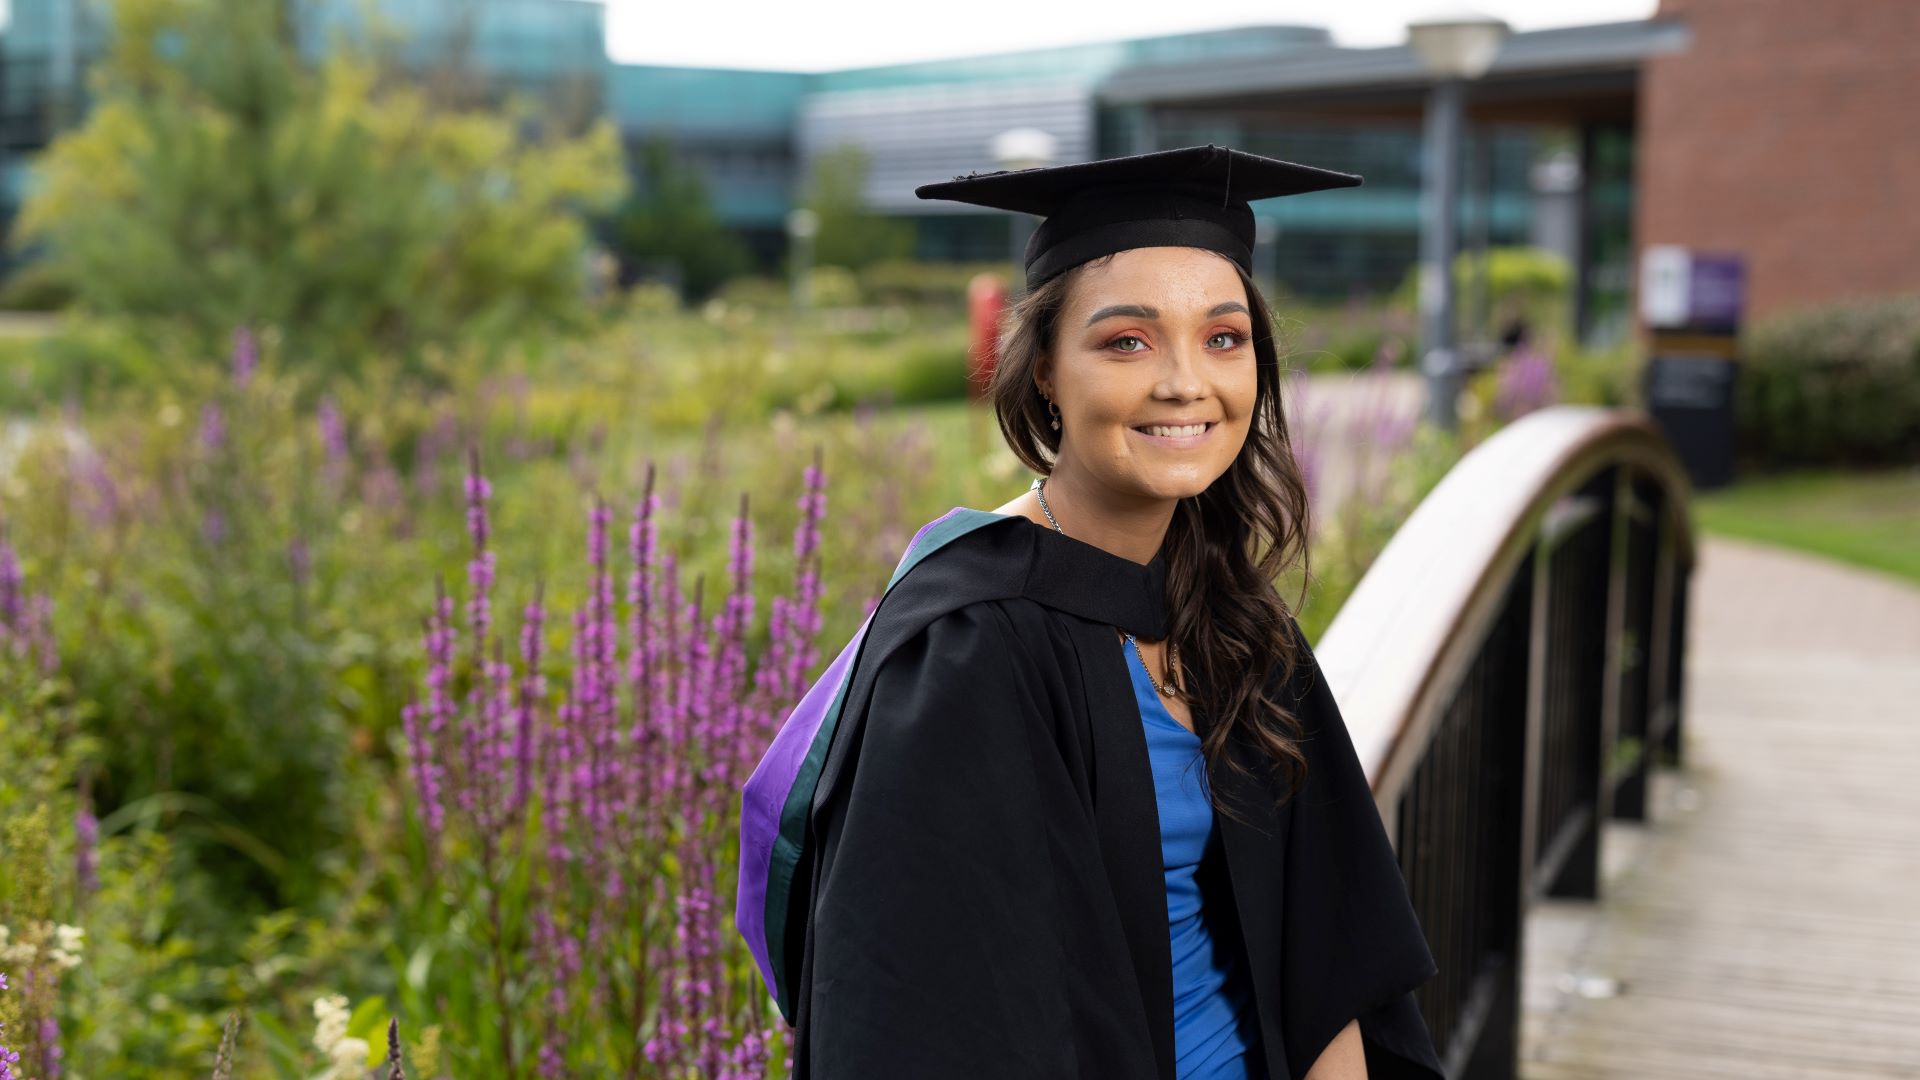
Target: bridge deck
1766	921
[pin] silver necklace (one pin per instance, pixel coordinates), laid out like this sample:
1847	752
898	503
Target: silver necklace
1173	651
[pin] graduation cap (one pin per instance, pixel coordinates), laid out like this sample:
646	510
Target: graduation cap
1195	196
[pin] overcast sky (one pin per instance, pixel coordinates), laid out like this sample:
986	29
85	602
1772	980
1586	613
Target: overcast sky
822	35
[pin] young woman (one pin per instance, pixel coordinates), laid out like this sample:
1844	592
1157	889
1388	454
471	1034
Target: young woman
1074	801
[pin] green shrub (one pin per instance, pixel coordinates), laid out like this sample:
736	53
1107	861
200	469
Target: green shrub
35	287
227	181
903	281
850	234
1836	385
1351	335
834	286
652	298
1524	283
756	292
927	371
1609	375
668	224
1354	351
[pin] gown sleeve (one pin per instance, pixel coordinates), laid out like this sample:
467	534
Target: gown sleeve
1353	944
934	949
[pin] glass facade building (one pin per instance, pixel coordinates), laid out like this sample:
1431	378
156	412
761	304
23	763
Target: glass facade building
735	127
754	135
553	50
44	53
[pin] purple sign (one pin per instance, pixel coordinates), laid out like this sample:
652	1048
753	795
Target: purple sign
1681	289
1718	290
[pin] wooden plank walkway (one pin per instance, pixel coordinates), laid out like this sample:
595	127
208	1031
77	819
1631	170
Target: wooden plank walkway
1765	923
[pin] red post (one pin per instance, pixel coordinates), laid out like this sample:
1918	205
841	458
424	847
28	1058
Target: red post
986	298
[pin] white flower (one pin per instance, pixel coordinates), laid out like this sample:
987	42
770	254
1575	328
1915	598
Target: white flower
64	949
330	1016
68	941
349	1057
14	953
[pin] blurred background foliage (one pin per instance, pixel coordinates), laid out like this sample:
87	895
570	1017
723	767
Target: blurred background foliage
1833	386
240	550
218	182
668	225
285	304
849	235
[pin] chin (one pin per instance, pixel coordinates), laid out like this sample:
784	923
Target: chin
1183	487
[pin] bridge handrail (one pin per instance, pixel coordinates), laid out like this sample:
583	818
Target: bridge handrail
1417	615
1511	670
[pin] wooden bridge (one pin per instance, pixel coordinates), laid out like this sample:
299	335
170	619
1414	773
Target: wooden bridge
1657	799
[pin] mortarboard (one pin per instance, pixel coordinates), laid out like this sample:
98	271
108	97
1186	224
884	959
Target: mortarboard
1195	196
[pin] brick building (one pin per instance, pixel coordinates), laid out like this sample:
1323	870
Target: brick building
1786	131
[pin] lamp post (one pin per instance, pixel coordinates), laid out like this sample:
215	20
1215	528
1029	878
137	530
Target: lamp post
1014	149
1266	251
1454	50
802	224
6	129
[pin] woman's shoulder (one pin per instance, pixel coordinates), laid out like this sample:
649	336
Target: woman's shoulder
961	558
975	639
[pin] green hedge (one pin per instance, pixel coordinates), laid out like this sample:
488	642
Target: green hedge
917	283
1836	385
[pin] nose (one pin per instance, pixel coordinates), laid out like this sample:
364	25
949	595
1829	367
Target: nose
1181	380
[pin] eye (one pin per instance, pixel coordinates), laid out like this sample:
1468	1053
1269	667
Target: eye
1114	344
1239	339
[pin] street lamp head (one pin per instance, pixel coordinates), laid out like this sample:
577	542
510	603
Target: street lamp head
1023	148
1458	46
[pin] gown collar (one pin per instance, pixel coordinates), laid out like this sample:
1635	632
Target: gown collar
1089	581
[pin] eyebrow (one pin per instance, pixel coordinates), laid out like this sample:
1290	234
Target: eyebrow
1141	311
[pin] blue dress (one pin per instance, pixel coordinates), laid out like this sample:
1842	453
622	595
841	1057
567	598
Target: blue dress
1215	1029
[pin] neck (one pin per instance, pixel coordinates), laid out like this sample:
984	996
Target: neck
1128	526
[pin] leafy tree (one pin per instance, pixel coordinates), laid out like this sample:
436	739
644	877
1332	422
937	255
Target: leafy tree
669	223
221	180
850	235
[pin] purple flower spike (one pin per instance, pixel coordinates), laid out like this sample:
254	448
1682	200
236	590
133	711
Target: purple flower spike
426	783
8	1058
86	841
1527	381
299	560
480	569
333	429
613	801
50	1052
246	355
12	588
532	689
213	427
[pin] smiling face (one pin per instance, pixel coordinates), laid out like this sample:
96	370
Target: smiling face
1153	371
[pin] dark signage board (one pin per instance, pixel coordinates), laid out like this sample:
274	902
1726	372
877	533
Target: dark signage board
1692	302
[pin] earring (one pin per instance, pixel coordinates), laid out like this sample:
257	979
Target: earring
1055	410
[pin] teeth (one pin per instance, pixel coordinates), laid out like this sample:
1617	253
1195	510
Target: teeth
1176	432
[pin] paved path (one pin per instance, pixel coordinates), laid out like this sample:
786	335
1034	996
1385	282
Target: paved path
1766	922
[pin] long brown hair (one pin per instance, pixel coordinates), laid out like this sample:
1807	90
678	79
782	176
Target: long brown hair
1225	547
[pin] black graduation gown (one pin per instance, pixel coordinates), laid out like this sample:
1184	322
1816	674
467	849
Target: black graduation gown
985	890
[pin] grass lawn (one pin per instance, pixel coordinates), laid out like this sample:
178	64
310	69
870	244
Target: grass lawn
1870	519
